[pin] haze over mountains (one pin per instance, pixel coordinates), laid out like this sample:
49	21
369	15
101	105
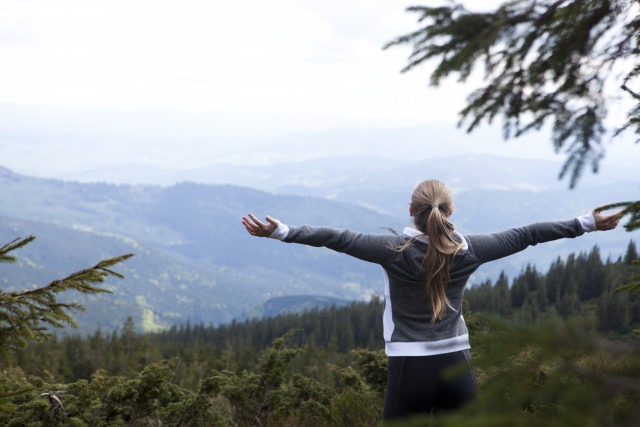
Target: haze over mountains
194	261
166	147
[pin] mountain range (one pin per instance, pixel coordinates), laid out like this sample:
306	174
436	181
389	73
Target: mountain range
194	261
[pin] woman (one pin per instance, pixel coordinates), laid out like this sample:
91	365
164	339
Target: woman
426	270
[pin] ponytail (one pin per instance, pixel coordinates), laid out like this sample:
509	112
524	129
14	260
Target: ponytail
431	204
443	245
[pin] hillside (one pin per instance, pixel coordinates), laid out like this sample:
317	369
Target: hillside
158	291
194	261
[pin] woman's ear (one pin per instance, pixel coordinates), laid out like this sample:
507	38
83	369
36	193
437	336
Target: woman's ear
411	212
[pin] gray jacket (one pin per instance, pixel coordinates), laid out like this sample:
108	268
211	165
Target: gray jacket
408	330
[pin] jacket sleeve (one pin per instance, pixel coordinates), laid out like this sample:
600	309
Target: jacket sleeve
489	247
374	248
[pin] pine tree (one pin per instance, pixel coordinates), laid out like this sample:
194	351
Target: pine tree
553	280
480	297
634	286
28	315
541	296
519	292
544	61
502	295
632	253
593	276
569	280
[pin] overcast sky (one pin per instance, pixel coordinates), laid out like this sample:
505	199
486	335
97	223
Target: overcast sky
276	56
251	68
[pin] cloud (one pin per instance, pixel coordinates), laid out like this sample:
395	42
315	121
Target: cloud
281	56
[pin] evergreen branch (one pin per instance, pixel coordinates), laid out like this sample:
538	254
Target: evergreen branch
633	286
16	393
81	281
14	244
635	95
545	60
27	315
630	208
629	287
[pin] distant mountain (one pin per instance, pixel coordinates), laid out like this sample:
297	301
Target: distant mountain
195	262
293	304
383	184
158	290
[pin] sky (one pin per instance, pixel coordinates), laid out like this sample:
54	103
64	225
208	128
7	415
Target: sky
280	56
162	76
277	56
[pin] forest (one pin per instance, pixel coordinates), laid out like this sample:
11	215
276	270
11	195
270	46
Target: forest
549	348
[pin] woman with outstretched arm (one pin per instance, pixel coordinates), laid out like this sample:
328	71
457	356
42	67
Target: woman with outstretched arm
426	271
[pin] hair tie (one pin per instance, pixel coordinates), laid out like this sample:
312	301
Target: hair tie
435	206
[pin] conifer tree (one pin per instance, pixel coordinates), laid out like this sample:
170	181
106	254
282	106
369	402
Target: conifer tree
544	61
632	253
502	295
633	286
553	280
594	276
518	292
28	315
541	296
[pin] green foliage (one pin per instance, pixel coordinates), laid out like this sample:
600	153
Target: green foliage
372	366
582	285
633	286
254	396
269	395
27	315
556	373
630	208
13	386
543	61
144	399
9	247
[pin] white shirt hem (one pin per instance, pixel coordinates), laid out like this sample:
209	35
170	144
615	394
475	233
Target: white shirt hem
428	348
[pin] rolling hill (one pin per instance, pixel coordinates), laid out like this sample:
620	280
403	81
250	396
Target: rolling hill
194	261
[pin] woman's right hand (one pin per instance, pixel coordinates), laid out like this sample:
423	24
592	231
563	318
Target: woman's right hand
607	222
257	228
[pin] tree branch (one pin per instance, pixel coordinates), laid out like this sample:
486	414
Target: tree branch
632	93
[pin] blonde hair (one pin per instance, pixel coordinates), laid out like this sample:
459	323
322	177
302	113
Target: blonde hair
431	205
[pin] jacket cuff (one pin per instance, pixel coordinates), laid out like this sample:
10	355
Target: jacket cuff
281	232
588	222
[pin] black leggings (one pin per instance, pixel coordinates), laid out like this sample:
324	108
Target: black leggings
423	384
